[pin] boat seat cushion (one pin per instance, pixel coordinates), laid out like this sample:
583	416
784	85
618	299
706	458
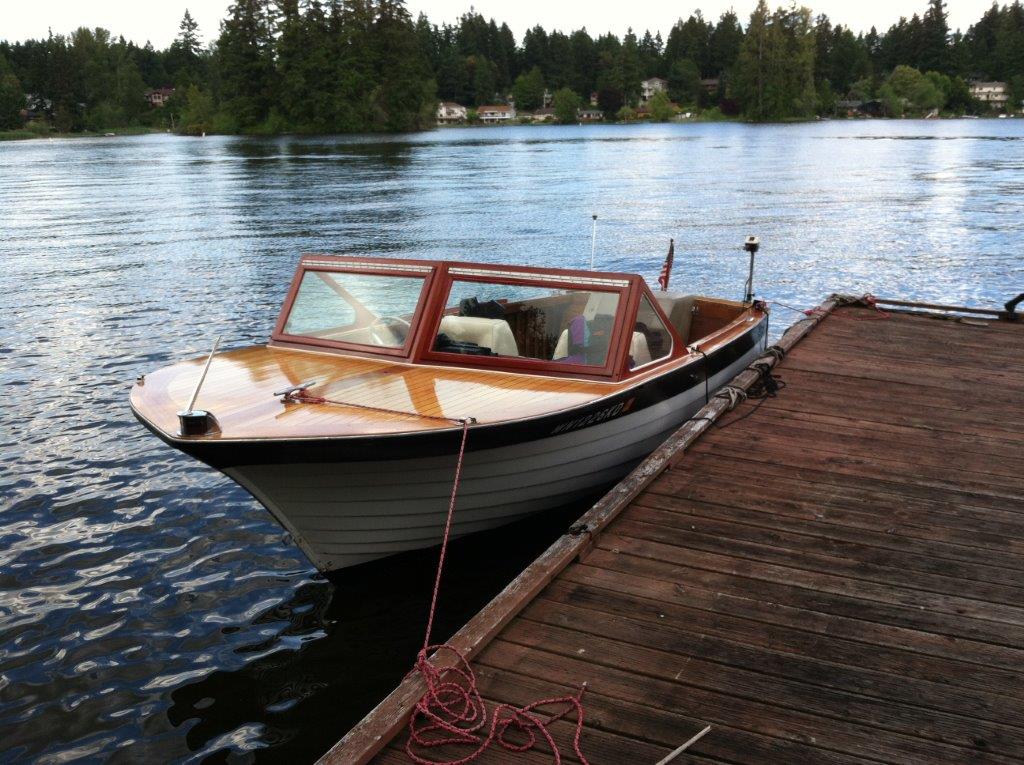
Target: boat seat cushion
495	334
638	348
679	309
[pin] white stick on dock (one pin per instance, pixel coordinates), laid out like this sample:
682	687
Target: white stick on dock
683	748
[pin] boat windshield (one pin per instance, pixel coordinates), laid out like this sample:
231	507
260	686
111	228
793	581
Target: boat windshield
572	326
366	309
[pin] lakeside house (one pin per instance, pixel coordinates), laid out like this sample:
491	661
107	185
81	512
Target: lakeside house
545	114
650	86
591	115
710	85
992	93
158	96
450	112
496	113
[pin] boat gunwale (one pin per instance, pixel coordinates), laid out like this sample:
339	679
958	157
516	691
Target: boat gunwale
696	353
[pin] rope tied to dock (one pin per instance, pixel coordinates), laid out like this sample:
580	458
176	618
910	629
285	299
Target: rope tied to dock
452	711
867	300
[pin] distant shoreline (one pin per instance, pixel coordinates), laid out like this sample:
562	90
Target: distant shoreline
25	135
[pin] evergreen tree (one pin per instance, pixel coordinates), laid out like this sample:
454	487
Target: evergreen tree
12	98
629	68
724	44
484	81
934	41
775	72
245	61
528	90
584	63
188	36
684	84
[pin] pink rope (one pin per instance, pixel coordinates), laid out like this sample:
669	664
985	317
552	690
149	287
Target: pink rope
451	712
447	533
304	397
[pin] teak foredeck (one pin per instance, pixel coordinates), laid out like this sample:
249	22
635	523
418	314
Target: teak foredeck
838	577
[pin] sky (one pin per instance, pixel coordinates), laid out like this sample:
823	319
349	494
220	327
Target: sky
157	20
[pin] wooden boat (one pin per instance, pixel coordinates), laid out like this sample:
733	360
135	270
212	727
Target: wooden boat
346	425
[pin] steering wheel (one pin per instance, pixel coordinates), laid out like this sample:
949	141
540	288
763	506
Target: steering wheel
397	328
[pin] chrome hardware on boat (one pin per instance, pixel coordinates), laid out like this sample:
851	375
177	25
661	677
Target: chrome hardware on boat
288	394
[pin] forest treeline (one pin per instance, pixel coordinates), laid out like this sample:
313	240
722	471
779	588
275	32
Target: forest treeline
327	66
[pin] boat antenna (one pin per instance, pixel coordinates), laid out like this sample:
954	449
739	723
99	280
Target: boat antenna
751	245
593	241
195	422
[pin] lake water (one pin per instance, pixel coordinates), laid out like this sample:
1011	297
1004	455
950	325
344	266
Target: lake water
149	610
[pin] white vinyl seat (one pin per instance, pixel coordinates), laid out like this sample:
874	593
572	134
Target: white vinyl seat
495	334
679	310
638	348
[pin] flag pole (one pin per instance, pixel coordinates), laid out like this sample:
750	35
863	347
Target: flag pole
593	241
666	269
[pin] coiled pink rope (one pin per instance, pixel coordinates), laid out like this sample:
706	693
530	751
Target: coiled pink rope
452	712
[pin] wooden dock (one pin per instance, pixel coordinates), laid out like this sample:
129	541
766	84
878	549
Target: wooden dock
832	575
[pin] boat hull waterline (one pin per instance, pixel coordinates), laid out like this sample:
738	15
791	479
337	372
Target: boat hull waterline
344	513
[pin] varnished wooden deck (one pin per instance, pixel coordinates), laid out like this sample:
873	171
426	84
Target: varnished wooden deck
837	577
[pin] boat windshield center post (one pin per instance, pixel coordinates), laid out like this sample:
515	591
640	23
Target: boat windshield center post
751	245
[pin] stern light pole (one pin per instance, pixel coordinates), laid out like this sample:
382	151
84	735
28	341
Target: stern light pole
751	245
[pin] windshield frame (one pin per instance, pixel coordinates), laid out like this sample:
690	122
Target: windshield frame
438	278
369	266
621	285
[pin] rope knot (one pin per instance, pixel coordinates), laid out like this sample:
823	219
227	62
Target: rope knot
735	395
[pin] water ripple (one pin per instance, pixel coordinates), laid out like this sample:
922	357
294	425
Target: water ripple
149	609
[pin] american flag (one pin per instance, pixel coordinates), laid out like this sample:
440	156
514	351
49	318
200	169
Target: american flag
666	270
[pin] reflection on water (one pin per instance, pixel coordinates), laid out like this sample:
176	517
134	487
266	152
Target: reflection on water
148	608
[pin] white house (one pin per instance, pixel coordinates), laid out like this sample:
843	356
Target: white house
496	113
650	86
449	111
992	93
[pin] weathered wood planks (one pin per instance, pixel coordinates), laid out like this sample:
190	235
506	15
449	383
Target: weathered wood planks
838	577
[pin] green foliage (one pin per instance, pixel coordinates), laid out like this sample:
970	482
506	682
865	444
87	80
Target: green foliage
626	114
610	100
528	90
198	112
484	81
661	108
357	65
774	75
684	82
907	90
1016	102
566	105
12	97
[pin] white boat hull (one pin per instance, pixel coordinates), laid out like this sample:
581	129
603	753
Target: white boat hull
345	513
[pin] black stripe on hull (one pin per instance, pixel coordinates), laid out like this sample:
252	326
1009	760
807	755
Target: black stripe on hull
226	454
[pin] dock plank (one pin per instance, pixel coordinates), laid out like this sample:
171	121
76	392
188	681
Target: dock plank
833	575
